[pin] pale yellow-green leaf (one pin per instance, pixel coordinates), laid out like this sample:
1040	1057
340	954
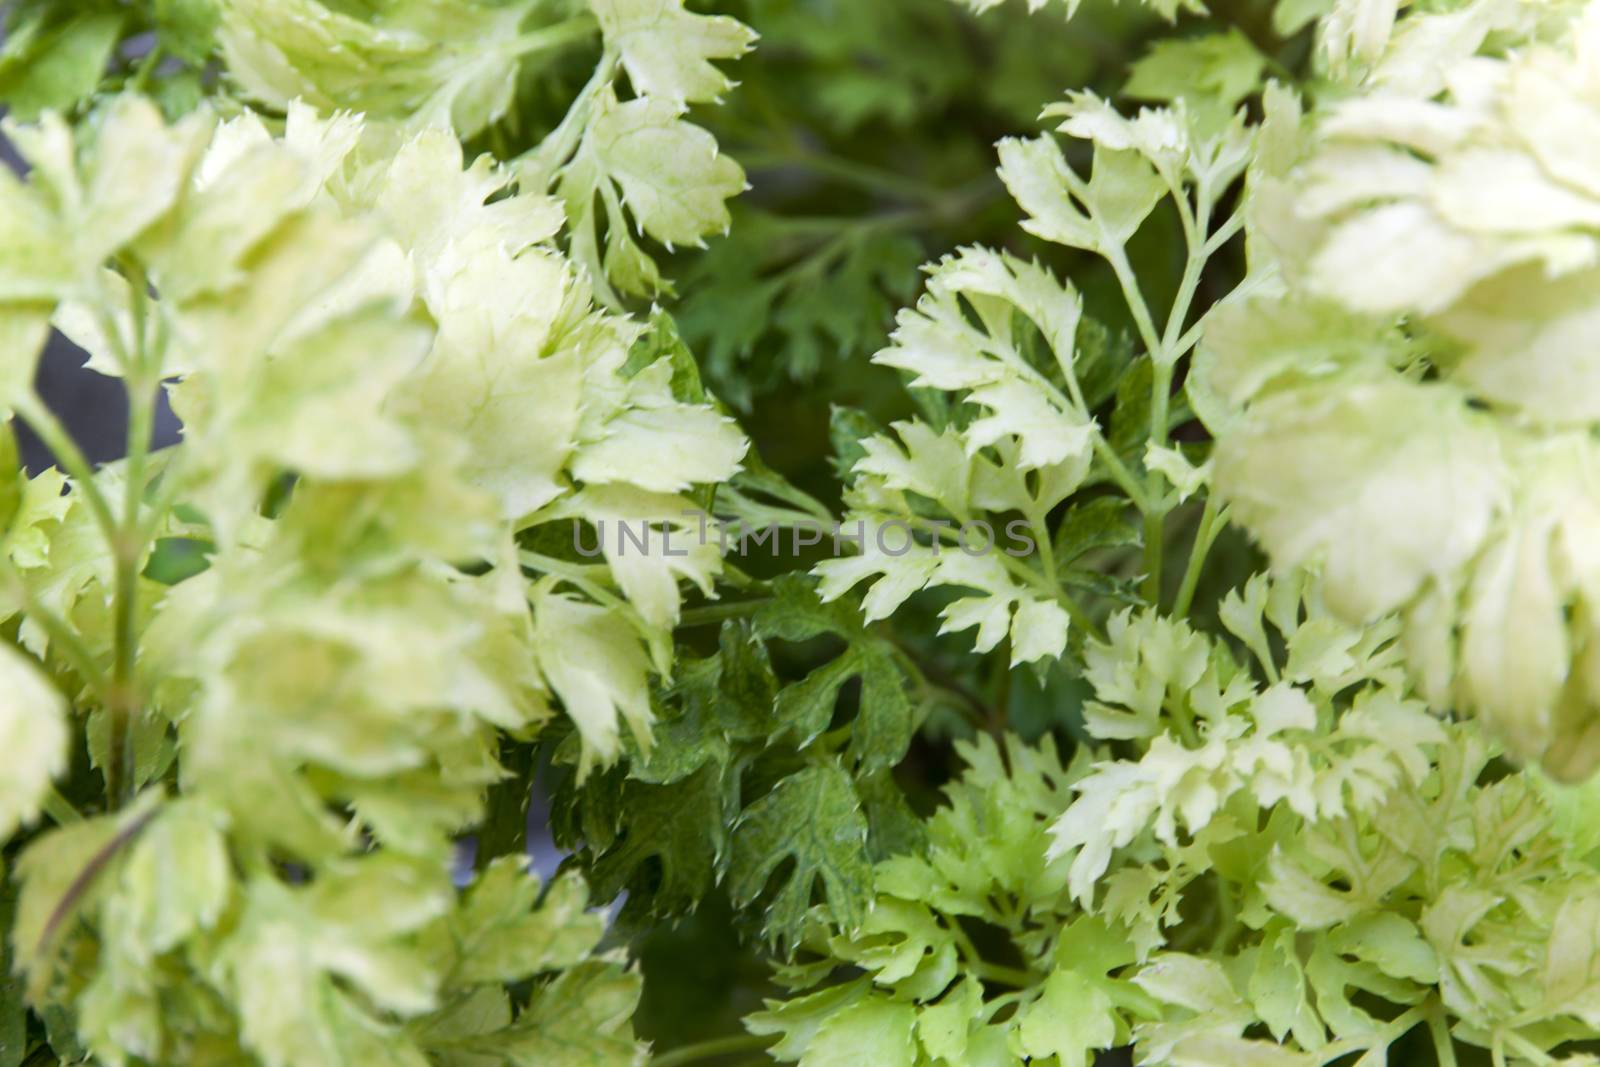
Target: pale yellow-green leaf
597	666
671	176
667	50
33	734
1385	484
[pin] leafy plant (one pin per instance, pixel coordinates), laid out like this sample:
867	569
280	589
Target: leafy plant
585	622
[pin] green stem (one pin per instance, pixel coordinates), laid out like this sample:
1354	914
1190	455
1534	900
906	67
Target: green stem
1523	1047
55	437
123	706
1047	549
936	681
1444	1045
166	494
1134	298
745	509
1015	977
1051	588
706	1050
1155	537
1225	232
576	574
561	33
147	67
805	502
712	614
59	808
1119	471
127	549
1164	358
1000	695
1183	719
539	168
1391	1033
1204	536
1155	519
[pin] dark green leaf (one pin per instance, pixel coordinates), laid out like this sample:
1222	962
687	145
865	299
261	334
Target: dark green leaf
1130	419
672	847
1104	522
883	725
814	819
1100	359
847	428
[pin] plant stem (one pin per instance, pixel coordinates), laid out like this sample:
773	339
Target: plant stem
1523	1047
147	67
743	508
1051	588
1204	536
1119	471
936	680
1015	977
55	437
1155	536
710	614
1047	550
575	573
539	167
706	1050
127	548
1164	358
59	808
123	706
1443	1044
1134	298
561	33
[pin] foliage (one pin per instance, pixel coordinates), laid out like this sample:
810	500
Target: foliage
1172	630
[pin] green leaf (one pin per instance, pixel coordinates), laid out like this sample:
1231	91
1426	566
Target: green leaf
188	28
503	931
885	719
1101	523
33	728
680	205
53	61
62	874
176	881
674	844
664	340
433	64
666	50
1218	68
579	1020
814	819
599	670
1355	478
1071	1020
848	430
873	1030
